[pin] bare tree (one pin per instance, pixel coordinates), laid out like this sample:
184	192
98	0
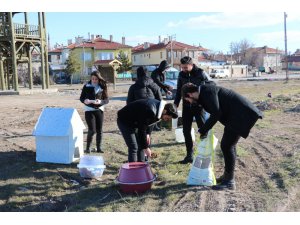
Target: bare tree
234	48
239	49
244	45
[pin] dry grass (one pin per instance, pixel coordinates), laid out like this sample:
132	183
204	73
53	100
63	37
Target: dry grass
267	171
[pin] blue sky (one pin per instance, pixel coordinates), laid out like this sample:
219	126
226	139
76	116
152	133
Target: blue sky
214	31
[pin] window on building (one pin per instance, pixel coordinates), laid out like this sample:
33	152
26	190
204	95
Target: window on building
58	57
179	54
161	55
149	56
134	58
105	55
89	70
87	56
169	54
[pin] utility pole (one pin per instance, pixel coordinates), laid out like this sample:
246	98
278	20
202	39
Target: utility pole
83	57
171	37
231	64
276	60
285	45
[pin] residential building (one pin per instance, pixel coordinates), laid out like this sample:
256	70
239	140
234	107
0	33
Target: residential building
57	58
150	54
264	58
297	53
294	61
97	53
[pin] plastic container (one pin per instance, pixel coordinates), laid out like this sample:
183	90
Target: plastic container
179	137
175	121
135	177
91	166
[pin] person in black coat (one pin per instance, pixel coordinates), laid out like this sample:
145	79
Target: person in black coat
190	74
235	112
94	96
143	88
133	121
158	76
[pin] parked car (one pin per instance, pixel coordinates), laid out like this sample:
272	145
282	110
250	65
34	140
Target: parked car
148	68
171	80
219	73
60	78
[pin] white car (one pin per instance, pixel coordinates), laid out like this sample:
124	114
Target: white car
171	80
219	73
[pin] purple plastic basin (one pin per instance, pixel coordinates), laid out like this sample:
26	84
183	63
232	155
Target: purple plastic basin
135	177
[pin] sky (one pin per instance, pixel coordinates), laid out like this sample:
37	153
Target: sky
212	30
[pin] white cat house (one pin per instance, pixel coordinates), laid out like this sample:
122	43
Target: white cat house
59	136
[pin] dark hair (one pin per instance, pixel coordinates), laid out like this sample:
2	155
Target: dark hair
102	83
186	60
141	72
171	110
188	88
163	65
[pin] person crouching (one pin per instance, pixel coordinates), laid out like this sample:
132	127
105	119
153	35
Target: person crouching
133	121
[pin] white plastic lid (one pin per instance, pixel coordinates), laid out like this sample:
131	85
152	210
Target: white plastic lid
91	161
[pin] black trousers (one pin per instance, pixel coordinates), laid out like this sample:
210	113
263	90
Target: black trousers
135	153
188	114
94	120
228	147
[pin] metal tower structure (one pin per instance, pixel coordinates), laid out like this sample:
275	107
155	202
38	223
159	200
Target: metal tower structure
17	42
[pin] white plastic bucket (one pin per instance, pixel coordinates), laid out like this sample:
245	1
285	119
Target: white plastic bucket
91	166
179	137
175	121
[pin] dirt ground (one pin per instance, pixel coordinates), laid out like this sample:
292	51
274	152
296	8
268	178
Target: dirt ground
267	171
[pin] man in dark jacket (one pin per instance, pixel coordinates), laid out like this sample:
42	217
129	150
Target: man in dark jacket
137	116
143	88
158	76
190	74
234	111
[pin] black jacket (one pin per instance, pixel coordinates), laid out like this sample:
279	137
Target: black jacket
88	92
140	114
229	108
159	78
143	88
197	76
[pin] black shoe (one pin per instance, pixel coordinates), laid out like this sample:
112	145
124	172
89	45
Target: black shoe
225	185
220	179
225	176
100	151
156	129
87	151
186	160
